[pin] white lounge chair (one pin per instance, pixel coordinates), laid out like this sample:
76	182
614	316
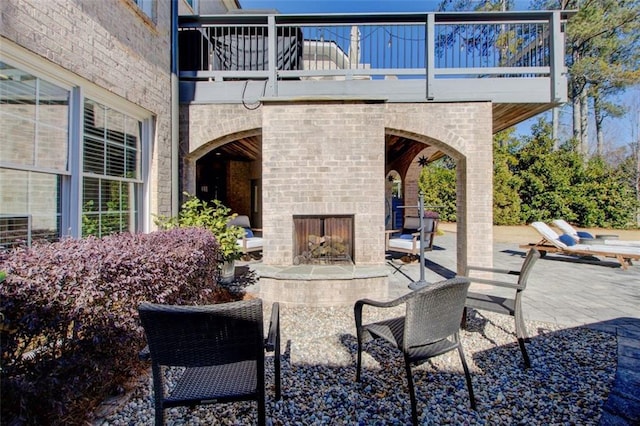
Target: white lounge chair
580	236
249	242
554	243
408	238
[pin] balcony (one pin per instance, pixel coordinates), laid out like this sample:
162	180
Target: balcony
513	59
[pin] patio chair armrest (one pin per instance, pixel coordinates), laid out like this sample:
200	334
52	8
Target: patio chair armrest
496	283
145	354
495	270
357	308
379	304
389	232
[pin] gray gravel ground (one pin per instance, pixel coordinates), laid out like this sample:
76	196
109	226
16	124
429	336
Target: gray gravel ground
571	375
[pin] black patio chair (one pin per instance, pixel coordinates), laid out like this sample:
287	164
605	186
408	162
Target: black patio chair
222	348
429	328
503	305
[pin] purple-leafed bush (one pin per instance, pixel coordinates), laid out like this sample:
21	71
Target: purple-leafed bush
70	333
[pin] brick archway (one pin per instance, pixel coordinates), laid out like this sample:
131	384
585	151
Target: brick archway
462	131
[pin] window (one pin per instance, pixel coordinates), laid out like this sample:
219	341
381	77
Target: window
69	164
111	171
148	7
34	118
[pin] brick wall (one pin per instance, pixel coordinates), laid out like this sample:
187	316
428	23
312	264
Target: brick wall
323	159
206	127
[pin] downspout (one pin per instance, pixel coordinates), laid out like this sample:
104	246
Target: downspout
175	108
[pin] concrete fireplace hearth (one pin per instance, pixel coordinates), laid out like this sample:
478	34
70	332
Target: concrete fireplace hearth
321	285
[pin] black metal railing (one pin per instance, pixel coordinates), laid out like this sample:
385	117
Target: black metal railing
374	46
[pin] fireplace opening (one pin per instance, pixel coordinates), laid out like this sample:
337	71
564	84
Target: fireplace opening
322	239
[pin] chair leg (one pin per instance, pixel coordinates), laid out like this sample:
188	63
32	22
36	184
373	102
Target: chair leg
463	320
521	334
158	393
277	367
358	363
520	319
262	410
412	392
467	376
159	415
359	357
525	355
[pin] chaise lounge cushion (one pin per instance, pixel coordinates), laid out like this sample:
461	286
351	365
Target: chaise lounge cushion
584	234
567	239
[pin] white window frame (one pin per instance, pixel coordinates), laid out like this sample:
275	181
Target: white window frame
148	7
80	89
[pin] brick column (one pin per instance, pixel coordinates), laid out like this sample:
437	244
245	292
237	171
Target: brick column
323	158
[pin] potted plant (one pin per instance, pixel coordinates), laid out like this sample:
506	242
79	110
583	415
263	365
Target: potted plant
215	217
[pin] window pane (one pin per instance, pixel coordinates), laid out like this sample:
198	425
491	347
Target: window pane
51	150
18	146
106	207
115	160
148	7
53	105
27	194
111	142
93	156
34	115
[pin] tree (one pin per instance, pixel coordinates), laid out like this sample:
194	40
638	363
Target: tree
548	176
602	198
506	200
561	184
603	50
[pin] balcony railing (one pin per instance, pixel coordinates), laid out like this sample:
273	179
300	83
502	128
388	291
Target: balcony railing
442	55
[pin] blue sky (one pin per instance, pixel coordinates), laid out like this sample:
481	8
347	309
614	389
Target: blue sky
618	132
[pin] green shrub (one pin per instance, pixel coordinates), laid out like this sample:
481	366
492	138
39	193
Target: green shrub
438	184
213	216
71	335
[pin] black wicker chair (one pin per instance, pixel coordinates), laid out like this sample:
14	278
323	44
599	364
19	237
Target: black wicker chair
503	305
429	328
222	348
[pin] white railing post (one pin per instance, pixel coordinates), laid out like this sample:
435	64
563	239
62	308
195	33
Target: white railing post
272	43
430	47
556	55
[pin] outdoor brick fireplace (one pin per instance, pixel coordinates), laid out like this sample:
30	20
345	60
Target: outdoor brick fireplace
322	239
323	212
